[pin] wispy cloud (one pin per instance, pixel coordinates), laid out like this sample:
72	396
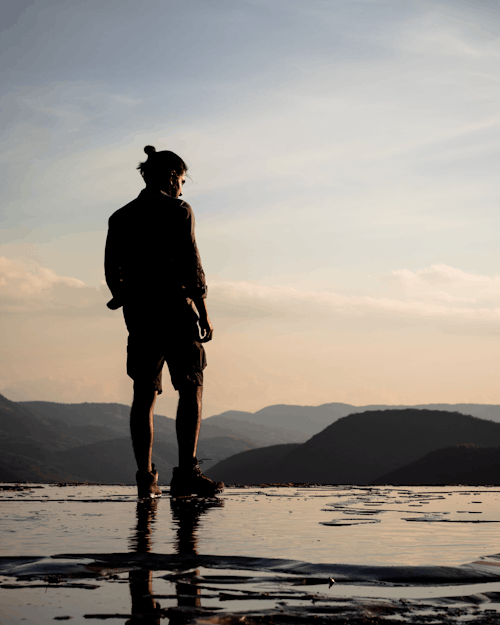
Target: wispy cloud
480	293
30	288
419	298
437	292
48	318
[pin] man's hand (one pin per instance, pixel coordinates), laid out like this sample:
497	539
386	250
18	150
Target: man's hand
207	330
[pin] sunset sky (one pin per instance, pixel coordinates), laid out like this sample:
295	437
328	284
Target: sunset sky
344	158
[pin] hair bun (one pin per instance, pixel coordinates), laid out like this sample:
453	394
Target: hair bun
149	149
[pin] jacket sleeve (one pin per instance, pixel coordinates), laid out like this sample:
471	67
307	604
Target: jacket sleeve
190	269
112	263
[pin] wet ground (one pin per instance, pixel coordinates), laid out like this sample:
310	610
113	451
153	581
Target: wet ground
265	555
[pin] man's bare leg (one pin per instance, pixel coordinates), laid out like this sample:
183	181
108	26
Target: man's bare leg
141	426
187	478
188	423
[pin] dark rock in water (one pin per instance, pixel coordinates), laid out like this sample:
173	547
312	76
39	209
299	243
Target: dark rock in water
461	464
359	448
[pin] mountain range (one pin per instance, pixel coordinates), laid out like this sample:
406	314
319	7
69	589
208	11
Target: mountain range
313	419
48	441
332	443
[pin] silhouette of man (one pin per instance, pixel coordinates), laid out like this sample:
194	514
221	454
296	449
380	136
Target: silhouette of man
153	269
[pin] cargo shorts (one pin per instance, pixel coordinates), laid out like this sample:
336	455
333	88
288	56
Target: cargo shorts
156	338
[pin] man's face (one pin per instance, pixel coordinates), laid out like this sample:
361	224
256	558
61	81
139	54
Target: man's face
177	186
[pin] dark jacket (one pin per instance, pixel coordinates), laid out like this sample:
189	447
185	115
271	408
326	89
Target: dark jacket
151	252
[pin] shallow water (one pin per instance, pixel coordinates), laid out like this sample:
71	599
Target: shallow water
351	525
300	552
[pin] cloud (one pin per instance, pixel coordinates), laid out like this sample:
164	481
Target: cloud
461	296
436	292
452	30
478	294
292	344
29	287
442	274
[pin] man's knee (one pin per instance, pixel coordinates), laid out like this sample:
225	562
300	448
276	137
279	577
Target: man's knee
144	394
189	389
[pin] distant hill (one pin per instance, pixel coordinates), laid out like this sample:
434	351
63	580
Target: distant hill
313	419
48	441
258	463
28	444
461	464
361	447
90	422
263	434
306	419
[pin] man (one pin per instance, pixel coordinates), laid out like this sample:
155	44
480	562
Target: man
153	269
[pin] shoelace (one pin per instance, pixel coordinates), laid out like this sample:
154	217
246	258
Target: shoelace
196	467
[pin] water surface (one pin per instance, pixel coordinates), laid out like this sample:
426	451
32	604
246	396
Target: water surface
350	525
405	554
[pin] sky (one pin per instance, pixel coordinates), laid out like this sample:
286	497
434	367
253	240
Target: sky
343	159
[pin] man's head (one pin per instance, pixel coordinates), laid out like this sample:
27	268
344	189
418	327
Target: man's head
163	170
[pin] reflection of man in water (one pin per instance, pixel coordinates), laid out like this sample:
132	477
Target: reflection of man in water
154	270
140	582
186	514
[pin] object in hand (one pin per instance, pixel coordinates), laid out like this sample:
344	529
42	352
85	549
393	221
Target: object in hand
114	304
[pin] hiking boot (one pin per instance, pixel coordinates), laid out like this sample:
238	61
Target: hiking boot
191	481
147	484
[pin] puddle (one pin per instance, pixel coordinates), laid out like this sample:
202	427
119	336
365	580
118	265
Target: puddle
321	524
404	554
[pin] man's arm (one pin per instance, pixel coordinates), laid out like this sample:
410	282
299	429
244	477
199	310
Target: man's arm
112	269
193	276
190	268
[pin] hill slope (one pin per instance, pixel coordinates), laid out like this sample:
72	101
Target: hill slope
258	463
462	464
306	419
361	447
259	433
